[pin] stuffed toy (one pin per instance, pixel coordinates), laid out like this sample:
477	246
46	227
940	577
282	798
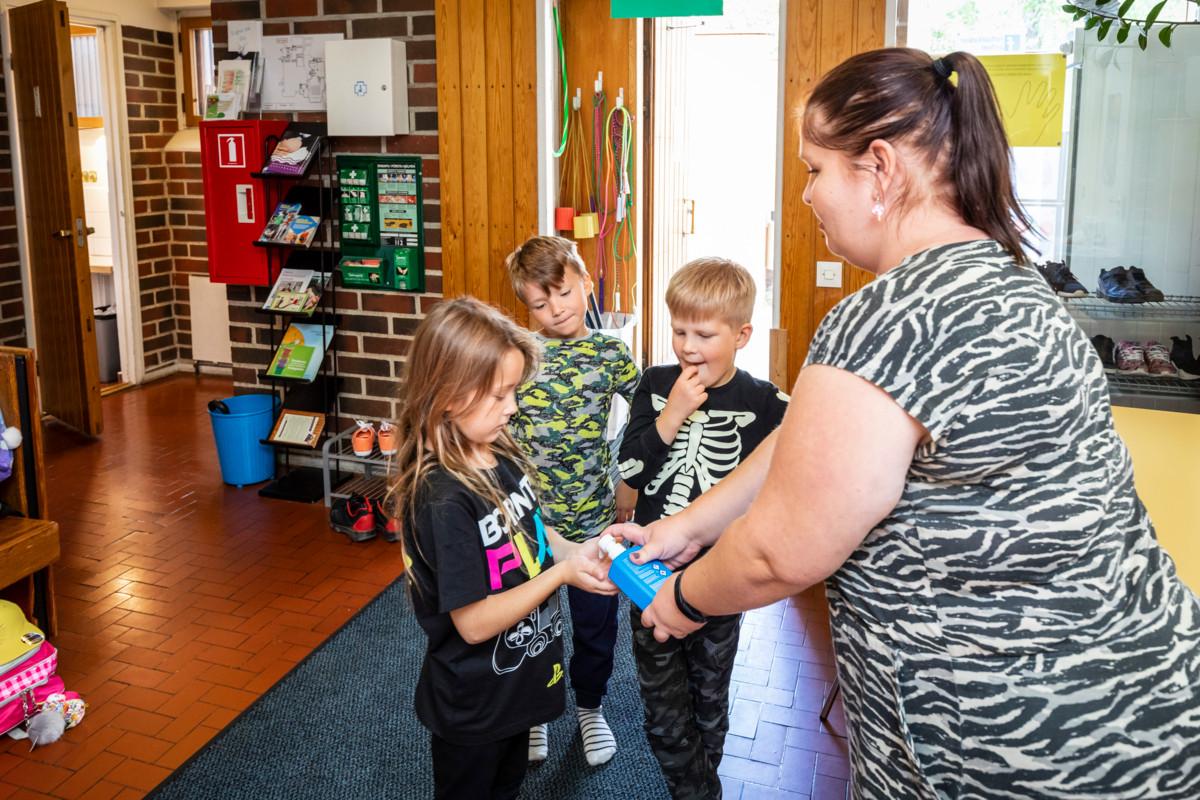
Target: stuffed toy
10	439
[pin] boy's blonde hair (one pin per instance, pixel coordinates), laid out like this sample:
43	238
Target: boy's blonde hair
543	261
455	356
712	288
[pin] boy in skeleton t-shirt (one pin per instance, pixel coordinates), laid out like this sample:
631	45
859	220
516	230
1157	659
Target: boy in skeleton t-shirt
690	426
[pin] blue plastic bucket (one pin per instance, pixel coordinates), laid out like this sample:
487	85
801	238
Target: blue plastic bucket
240	424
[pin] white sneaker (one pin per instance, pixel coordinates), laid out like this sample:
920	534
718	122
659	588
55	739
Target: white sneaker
599	745
539	742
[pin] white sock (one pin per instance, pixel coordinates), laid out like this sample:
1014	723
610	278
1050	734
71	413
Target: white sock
598	743
539	744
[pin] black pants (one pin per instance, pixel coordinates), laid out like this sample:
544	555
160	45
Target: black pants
594	634
481	771
685	694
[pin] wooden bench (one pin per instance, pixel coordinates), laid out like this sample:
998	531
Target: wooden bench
29	543
27	549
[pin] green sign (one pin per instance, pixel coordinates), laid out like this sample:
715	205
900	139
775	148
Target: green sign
624	9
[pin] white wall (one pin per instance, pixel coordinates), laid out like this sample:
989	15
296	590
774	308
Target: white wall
140	13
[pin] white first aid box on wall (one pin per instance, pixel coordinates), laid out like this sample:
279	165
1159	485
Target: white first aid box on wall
366	87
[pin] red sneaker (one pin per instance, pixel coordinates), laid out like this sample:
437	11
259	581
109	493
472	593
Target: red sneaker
354	516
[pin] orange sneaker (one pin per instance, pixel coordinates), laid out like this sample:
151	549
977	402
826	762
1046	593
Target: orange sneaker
363	439
388	445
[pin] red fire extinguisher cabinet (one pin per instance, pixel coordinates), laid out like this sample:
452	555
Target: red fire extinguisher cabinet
235	202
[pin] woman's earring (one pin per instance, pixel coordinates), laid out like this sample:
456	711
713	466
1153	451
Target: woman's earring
877	210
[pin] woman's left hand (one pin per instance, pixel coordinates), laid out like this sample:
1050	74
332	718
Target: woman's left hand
665	618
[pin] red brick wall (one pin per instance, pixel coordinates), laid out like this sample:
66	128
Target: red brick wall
12	305
376	327
188	248
150	95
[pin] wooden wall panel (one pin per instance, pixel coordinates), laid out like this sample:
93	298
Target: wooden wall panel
487	143
820	35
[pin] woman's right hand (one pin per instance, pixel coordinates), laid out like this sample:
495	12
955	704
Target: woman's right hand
587	569
667	540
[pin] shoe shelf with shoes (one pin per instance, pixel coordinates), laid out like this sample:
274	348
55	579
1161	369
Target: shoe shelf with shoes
1149	369
1121	293
358	461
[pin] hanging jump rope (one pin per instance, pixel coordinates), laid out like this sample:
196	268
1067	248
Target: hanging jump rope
562	60
619	176
599	198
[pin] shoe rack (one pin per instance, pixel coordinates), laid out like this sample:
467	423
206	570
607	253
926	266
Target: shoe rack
1175	315
368	475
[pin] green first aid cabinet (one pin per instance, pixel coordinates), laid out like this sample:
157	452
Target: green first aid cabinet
381	221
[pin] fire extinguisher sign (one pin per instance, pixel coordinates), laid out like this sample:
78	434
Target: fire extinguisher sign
231	150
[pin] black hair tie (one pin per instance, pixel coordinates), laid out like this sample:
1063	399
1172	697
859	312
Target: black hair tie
942	67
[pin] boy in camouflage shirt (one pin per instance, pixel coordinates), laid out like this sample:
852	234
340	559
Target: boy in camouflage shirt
561	422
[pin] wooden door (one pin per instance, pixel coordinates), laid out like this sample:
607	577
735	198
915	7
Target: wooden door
673	210
57	229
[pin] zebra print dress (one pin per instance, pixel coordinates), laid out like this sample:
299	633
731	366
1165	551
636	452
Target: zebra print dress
1012	629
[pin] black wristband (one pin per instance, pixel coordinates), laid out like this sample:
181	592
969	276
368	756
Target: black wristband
684	607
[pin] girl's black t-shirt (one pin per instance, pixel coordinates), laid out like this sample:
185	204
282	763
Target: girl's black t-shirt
461	553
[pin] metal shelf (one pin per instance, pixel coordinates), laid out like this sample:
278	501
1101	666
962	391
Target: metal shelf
1136	383
373	481
1174	307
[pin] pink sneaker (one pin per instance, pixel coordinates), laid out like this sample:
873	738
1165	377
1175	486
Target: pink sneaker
1130	357
1158	360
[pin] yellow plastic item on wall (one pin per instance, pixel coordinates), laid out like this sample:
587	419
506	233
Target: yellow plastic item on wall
586	225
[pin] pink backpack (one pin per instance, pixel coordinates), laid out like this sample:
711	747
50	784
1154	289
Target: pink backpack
27	684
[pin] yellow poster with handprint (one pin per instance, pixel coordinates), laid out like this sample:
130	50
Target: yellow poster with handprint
1030	88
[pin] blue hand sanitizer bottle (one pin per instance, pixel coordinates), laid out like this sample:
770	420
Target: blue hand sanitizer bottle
639	582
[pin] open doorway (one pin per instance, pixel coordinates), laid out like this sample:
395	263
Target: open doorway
715	107
98	139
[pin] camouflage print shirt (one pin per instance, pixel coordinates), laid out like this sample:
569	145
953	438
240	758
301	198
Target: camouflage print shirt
561	423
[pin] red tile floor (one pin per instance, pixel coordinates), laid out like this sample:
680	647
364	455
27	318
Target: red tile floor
181	600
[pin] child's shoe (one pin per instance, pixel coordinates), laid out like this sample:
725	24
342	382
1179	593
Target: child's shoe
599	745
386	526
539	743
363	439
388	443
355	517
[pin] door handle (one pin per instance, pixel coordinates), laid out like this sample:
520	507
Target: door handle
62	233
691	215
90	231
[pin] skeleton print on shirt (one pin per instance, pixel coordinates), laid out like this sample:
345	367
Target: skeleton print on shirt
710	445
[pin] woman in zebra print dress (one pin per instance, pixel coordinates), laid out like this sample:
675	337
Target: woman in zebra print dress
1005	623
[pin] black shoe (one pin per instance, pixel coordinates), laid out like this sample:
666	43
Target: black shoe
1182	358
355	517
1064	283
1106	348
386	526
1117	286
1149	291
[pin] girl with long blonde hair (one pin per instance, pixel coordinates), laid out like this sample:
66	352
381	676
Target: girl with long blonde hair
483	568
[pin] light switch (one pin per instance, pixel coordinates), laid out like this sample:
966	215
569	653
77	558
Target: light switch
829	274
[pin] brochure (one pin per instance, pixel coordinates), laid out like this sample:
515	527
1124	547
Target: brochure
300	230
222	105
234	77
296	291
300	353
279	221
295	150
298	427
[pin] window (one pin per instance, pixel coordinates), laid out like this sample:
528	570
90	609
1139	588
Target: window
199	66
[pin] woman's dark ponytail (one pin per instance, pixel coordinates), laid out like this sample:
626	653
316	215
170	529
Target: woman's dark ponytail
903	95
981	163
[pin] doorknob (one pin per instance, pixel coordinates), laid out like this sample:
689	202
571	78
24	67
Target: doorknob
62	234
90	231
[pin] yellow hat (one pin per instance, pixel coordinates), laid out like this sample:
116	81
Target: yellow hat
18	636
